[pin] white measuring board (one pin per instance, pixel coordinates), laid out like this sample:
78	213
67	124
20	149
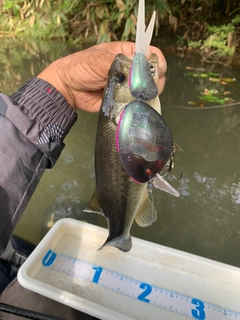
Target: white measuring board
159	297
152	282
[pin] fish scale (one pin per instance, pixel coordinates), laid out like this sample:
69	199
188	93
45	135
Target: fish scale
112	200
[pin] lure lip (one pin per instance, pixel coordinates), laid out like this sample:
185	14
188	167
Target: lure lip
143	37
141	83
160	183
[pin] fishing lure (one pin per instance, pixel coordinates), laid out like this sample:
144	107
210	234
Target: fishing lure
144	141
141	83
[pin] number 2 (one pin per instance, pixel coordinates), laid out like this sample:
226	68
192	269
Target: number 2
146	292
198	312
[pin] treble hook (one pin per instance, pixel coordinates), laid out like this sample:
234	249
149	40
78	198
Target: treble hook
170	166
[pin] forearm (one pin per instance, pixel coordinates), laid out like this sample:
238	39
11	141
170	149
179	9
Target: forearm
32	126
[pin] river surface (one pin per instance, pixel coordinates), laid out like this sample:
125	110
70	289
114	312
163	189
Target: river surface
205	219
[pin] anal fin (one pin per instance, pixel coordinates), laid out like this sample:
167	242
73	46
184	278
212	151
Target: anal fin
93	205
147	212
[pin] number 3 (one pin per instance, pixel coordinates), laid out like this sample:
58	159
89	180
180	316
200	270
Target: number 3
199	312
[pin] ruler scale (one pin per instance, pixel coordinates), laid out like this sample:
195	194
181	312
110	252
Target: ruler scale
144	292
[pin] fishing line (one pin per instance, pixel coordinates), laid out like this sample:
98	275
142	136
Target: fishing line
204	108
208	108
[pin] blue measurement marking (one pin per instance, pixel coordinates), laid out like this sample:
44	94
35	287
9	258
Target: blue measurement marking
190	307
145	293
97	274
199	312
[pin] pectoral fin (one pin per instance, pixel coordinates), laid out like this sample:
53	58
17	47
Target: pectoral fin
93	205
146	213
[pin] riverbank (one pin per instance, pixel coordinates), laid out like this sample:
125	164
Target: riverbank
208	29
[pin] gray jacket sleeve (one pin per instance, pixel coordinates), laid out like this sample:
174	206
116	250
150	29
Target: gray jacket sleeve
33	124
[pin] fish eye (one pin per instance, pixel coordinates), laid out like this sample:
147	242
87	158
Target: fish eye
119	77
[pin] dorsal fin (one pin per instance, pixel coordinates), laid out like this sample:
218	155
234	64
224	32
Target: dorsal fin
93	205
146	213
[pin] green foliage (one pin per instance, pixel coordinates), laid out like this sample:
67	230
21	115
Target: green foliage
162	7
38	18
99	21
195	44
236	19
218	44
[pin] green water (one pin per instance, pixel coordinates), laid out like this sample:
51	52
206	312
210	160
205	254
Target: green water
205	220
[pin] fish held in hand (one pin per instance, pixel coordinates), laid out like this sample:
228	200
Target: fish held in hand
117	196
122	188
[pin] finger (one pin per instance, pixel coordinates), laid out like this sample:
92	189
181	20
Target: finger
128	49
89	101
160	84
124	47
106	53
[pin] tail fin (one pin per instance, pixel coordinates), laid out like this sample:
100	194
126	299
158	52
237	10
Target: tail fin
123	243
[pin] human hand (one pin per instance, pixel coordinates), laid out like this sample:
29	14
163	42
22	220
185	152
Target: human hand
82	76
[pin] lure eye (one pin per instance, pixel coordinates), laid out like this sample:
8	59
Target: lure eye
119	77
149	172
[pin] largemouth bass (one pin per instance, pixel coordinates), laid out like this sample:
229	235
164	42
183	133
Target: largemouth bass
133	142
117	196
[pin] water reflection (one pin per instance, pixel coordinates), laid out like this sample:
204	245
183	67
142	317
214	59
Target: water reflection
205	220
21	60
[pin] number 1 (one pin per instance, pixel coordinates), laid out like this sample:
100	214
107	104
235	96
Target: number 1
97	274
